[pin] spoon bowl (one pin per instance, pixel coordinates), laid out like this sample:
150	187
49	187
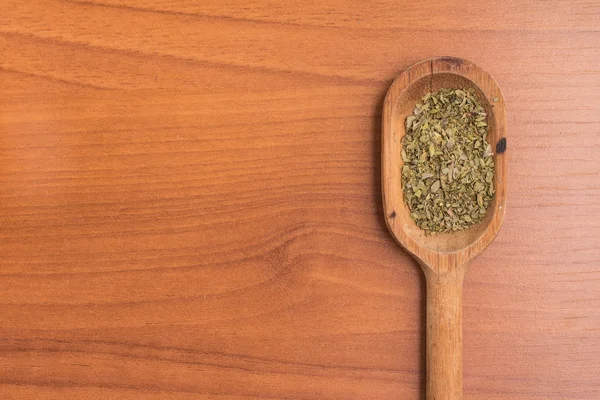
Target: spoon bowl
443	257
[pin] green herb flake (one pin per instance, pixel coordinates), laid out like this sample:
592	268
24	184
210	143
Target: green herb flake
448	171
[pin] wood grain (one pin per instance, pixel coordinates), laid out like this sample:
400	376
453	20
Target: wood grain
443	257
190	201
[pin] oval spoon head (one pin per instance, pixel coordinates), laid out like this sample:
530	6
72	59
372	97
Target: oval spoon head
447	251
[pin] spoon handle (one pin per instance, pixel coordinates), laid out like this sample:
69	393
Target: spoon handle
444	335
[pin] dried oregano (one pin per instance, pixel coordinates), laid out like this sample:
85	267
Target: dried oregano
448	171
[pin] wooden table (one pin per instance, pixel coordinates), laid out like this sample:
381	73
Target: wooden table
190	200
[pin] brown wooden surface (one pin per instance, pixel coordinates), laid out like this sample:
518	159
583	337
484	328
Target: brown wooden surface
190	200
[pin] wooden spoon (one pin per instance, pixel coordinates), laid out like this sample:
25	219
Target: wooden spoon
443	257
